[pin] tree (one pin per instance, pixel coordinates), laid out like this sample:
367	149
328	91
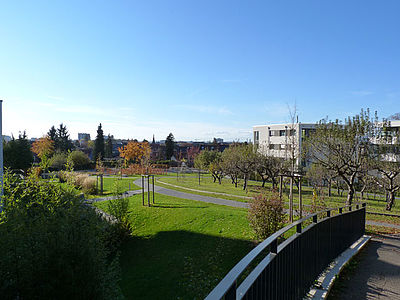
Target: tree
109	147
17	153
318	176
211	161
138	152
79	159
266	214
58	160
246	161
343	149
229	159
169	146
395	116
269	168
63	142
99	144
43	147
191	154
52	134
387	163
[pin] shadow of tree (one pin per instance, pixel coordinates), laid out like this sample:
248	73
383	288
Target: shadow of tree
177	264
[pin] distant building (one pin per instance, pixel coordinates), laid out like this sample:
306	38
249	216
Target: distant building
282	140
83	137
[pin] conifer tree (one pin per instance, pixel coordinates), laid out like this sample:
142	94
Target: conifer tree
99	144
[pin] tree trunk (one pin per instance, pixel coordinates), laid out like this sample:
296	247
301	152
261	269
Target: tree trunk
263	181
274	183
350	195
390	200
330	188
245	183
219	179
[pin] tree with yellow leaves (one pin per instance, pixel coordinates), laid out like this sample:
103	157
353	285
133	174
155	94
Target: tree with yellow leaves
43	147
138	152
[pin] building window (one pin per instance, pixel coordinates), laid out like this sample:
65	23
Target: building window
282	132
256	136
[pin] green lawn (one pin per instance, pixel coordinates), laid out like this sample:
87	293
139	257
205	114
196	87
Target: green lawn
124	184
180	248
254	187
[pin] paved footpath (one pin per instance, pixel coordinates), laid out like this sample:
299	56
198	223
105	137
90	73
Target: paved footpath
377	275
220	201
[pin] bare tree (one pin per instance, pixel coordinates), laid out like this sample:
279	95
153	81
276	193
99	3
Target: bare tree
343	149
387	162
269	168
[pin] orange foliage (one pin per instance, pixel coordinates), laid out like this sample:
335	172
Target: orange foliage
135	151
43	147
135	169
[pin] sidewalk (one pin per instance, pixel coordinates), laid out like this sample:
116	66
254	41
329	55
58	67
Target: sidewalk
377	275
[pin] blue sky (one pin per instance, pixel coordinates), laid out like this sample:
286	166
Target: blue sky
198	69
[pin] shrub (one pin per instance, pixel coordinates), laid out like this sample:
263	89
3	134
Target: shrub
89	186
79	179
52	246
79	160
119	209
58	161
266	214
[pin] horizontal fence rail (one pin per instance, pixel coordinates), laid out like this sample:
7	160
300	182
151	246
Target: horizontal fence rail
288	270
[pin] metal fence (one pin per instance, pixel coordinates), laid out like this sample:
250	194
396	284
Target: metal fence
288	270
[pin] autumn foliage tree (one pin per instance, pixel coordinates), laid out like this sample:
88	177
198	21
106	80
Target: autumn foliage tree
138	152
43	147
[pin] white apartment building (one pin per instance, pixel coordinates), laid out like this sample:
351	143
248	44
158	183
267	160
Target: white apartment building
285	140
282	140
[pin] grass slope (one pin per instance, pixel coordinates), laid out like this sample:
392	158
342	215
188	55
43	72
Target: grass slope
180	248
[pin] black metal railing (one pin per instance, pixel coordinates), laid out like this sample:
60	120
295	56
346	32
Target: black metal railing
288	270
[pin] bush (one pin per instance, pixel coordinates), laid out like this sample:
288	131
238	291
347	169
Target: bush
79	160
119	209
52	246
79	179
266	214
89	186
58	161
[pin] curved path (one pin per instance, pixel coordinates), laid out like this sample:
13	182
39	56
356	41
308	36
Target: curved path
377	275
190	196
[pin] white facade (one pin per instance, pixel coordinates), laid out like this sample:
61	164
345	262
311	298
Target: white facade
285	140
282	140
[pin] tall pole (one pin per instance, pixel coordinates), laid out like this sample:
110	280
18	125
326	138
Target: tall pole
1	155
291	200
300	200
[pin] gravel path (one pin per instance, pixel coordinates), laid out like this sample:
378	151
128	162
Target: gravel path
377	275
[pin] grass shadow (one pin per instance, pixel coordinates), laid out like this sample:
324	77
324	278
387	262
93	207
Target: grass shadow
177	264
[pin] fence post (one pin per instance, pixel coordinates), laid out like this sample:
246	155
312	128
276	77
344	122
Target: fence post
300	200
291	200
153	189
148	190
142	190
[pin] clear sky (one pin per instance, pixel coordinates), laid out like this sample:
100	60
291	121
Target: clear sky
198	69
